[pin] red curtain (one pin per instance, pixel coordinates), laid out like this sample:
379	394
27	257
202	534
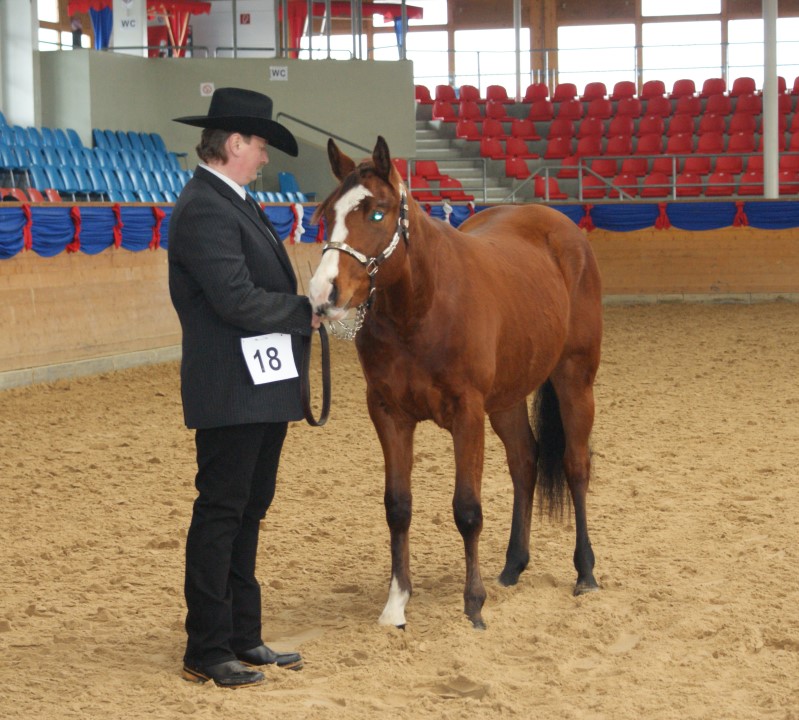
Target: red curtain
298	14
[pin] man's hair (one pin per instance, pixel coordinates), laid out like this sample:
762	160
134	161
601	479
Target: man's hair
212	145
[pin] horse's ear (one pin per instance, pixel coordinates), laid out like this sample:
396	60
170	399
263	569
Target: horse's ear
382	158
339	162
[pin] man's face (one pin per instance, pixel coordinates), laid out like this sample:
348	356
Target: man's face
253	157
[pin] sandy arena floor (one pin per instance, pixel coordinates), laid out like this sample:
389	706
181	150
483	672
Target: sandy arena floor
693	515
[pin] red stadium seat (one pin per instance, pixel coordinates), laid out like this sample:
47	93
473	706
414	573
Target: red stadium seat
658	105
467	130
606	167
788	182
680	125
561	127
746	86
564	91
515	146
428	169
621	125
469	92
445	93
752	104
493	128
720	184
619	145
600	108
423	96
713	86
696	165
629	107
680	144
652	88
498	93
594	188
536	91
688	185
656	184
594	90
558	148
711	124
688	105
731	164
751	183
651	124
516	168
685	87
669	165
710	144
591	126
718	105
402	167
742	142
491	147
421	191
572	109
651	144
754	163
496	110
541	110
623	89
634	166
452	189
469	110
443	110
548	188
623	183
524	128
588	146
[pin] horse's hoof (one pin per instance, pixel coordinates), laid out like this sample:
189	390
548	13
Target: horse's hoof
508	577
479	624
583	588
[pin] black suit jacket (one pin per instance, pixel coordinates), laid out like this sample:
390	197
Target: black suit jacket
229	279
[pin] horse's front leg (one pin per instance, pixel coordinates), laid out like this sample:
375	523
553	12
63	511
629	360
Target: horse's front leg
468	434
396	439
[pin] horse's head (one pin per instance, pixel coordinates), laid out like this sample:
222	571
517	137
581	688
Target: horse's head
366	218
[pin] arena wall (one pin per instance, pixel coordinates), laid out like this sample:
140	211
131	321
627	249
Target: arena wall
76	314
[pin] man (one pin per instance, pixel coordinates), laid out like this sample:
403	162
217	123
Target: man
235	292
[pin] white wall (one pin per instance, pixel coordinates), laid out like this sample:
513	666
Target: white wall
215	29
19	24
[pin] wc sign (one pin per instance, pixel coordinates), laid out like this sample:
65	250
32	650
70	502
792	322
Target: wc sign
279	72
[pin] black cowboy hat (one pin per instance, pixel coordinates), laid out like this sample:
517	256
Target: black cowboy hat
246	112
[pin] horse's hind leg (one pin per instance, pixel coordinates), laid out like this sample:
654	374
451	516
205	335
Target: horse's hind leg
573	383
513	428
468	434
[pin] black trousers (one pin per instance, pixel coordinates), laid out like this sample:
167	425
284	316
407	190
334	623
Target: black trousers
236	473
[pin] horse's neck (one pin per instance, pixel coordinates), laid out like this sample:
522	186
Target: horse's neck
409	298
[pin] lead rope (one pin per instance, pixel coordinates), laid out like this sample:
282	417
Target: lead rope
305	379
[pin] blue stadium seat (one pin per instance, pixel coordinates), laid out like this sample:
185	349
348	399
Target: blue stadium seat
35	137
159	143
98	180
51	156
37	178
112	141
48	136
74	138
135	141
100	140
111	180
123	140
61	139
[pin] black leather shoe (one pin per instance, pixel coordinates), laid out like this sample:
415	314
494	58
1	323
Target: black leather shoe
230	674
263	655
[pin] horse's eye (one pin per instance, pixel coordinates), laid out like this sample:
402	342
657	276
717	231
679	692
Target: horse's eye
378	215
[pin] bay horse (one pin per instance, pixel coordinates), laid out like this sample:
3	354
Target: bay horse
453	324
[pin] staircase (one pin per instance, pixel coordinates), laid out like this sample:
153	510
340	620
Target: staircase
481	177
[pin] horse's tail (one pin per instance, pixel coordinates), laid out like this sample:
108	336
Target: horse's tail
548	427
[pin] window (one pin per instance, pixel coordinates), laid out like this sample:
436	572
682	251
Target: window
676	50
430	64
48	11
596	52
488	57
656	8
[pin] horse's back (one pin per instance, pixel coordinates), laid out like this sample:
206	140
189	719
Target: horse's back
545	228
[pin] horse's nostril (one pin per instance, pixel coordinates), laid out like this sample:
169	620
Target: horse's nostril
333	297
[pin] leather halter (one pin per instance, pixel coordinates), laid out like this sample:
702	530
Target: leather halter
372	264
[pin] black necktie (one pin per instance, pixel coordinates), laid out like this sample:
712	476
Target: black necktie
252	202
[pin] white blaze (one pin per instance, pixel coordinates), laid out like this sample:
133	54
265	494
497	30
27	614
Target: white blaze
327	272
394	611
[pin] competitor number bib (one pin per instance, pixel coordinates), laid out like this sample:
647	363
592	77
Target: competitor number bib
269	357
